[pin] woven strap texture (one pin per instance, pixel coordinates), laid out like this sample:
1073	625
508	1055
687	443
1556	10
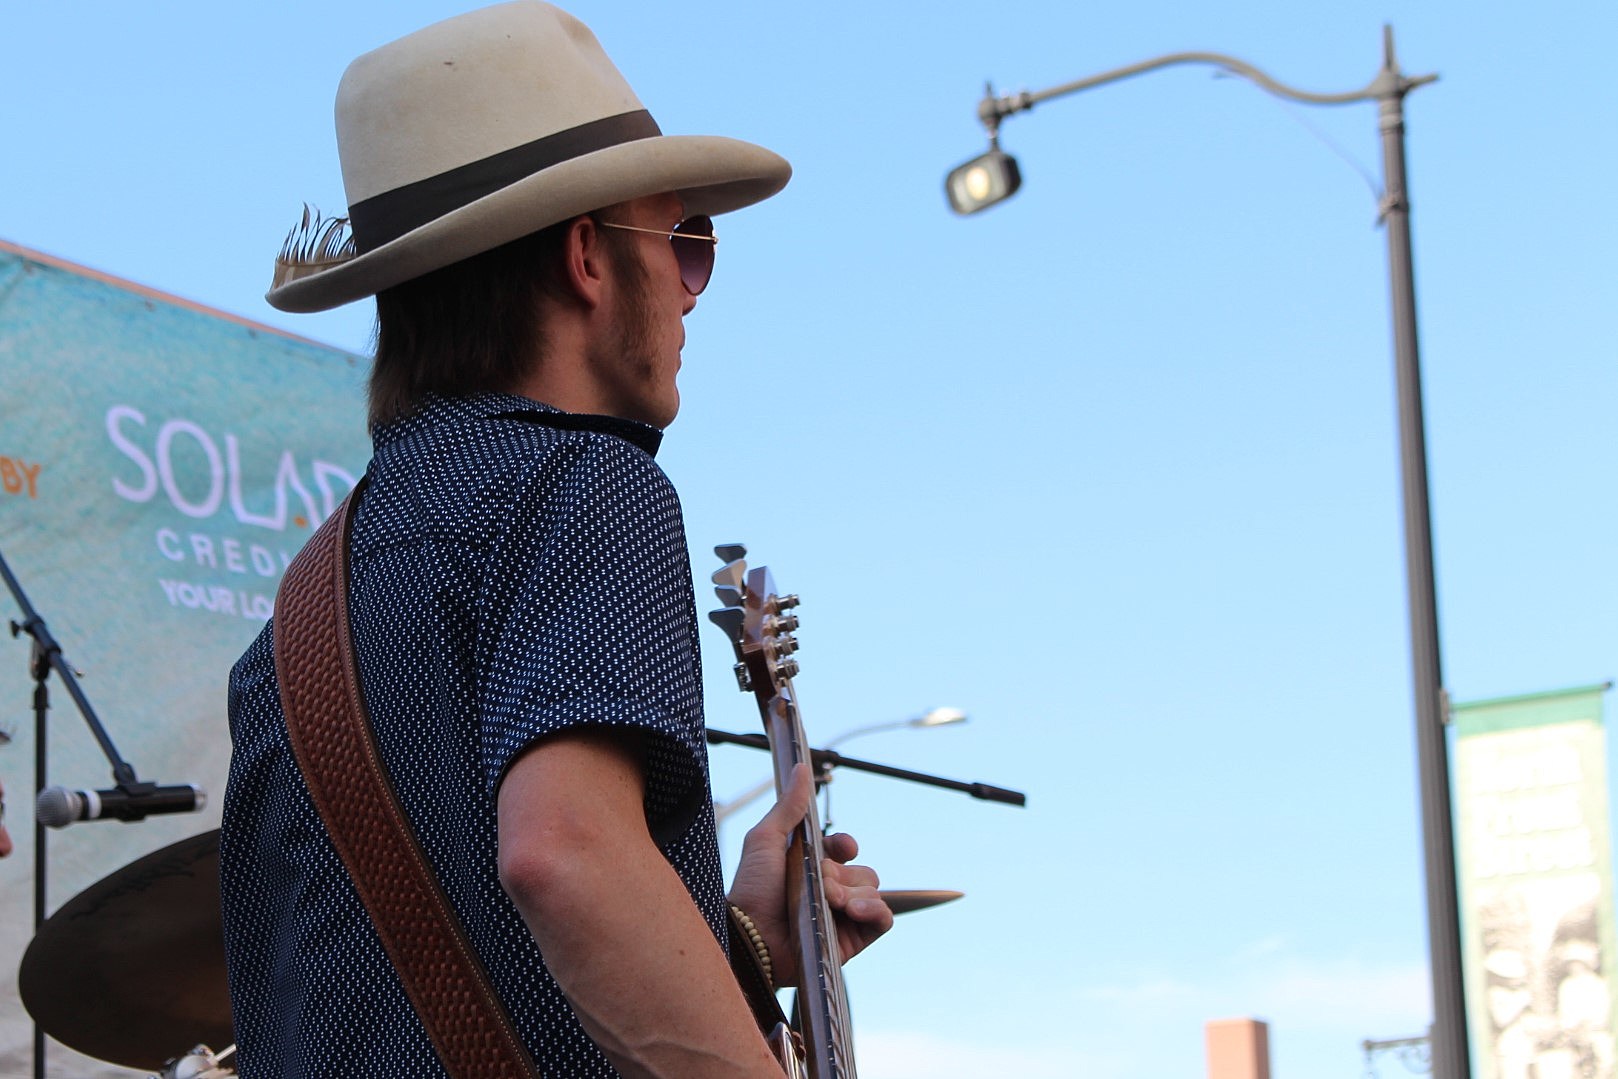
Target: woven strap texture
331	738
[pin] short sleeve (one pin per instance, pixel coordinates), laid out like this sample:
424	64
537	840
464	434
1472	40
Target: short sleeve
586	619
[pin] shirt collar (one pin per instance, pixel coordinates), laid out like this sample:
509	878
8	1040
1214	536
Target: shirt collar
485	406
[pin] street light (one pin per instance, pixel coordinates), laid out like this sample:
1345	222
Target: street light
983	181
993	177
937	717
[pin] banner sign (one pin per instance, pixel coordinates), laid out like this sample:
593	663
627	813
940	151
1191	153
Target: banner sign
1535	874
160	465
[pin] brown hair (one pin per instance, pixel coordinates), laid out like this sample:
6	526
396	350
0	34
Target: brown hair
470	326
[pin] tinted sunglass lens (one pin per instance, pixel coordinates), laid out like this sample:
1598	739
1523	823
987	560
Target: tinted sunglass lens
695	256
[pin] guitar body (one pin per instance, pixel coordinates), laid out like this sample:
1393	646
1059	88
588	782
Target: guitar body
788	1051
756	620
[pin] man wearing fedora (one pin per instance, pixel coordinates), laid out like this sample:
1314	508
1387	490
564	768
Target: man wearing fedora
519	591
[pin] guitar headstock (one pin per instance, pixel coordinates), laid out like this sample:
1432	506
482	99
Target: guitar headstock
755	618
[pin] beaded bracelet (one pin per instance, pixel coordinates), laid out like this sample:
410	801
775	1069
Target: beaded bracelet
757	941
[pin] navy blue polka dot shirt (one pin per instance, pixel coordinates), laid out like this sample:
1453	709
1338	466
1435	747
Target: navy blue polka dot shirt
516	572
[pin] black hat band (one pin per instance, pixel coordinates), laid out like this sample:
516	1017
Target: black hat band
383	218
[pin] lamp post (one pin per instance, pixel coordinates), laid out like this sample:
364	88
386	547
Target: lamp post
937	717
994	176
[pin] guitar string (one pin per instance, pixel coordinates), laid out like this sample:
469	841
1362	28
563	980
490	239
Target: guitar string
829	973
811	853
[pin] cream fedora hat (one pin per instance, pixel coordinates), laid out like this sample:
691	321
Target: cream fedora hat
482	129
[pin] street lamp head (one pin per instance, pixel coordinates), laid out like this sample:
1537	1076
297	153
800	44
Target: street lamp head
938	717
983	181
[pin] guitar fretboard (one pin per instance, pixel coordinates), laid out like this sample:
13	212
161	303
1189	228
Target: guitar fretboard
756	620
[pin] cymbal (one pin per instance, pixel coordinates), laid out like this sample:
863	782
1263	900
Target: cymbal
132	969
905	900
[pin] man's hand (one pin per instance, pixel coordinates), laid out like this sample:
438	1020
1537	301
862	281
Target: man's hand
760	885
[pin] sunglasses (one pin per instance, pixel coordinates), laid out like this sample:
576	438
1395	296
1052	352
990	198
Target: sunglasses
695	256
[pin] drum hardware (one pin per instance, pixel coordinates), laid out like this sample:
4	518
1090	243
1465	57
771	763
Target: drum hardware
200	1063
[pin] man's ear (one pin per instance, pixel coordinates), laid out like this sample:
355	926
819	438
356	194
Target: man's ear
584	262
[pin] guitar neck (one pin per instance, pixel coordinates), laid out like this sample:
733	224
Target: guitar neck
755	619
823	1018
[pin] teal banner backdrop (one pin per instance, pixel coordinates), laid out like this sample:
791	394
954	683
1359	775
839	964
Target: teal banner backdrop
160	464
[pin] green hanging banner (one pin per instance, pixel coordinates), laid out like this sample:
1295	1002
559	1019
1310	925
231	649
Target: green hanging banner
1535	874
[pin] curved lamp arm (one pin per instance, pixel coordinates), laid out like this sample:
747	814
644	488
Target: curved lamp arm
1388	83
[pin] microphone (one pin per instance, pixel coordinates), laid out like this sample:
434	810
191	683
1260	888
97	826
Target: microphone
57	807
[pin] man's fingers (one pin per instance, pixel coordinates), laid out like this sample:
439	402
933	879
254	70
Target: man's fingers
846	884
858	876
869	907
792	804
841	847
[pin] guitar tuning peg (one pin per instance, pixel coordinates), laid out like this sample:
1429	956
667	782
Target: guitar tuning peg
729	595
777	604
730	620
731	573
730	552
787	668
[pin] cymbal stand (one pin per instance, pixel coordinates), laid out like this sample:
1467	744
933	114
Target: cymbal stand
45	655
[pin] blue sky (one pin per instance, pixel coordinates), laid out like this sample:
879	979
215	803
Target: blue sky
1112	467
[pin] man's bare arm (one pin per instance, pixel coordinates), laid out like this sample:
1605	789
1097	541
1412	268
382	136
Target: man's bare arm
617	927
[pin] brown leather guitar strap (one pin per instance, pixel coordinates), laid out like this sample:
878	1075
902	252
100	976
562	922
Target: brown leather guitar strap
331	738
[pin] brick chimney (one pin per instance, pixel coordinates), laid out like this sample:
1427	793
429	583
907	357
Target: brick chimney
1238	1048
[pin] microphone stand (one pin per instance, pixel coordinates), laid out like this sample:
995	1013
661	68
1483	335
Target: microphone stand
824	760
45	655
